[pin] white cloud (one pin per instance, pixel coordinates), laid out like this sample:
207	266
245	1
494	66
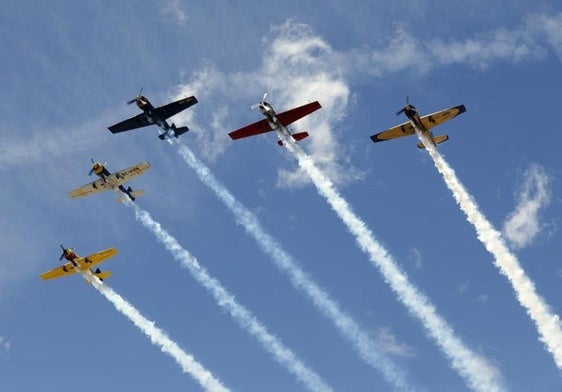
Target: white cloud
173	8
417	258
5	344
532	40
483	299
551	27
297	67
523	225
391	345
16	150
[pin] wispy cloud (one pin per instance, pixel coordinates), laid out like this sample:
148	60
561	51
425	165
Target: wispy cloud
391	345
29	148
173	8
483	298
5	344
533	39
297	67
523	225
417	258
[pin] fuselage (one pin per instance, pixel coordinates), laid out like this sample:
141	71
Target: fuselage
144	104
104	174
411	112
274	123
70	255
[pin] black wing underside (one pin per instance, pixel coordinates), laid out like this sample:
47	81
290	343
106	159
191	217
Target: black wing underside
171	109
138	121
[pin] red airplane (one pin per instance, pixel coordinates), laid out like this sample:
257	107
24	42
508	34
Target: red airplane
276	122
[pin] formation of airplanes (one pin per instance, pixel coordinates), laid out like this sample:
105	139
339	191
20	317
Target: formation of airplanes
272	122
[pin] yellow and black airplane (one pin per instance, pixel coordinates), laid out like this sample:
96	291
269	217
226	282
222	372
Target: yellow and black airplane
423	124
80	264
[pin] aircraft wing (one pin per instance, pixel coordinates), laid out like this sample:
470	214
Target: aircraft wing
405	129
128	174
434	119
167	111
96	258
63	270
138	121
295	114
89	189
256	128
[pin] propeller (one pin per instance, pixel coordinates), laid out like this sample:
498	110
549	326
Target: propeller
404	108
92	169
134	99
256	105
93	164
63	252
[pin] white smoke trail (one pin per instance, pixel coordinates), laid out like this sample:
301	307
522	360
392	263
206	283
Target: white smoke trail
476	371
368	350
547	322
188	364
224	299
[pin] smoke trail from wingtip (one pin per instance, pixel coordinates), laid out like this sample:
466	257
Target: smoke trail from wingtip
546	321
347	326
188	364
474	369
225	300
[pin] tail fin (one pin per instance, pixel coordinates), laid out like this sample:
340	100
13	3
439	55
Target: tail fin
134	195
299	136
436	139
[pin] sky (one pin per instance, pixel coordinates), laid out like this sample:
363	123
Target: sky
234	257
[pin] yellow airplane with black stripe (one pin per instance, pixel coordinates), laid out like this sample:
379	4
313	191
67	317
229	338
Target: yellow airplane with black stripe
423	124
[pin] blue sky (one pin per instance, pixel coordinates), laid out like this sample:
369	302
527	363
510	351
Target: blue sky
67	71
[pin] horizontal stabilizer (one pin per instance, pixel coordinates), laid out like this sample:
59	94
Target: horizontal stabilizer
103	275
135	194
180	131
299	136
436	140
